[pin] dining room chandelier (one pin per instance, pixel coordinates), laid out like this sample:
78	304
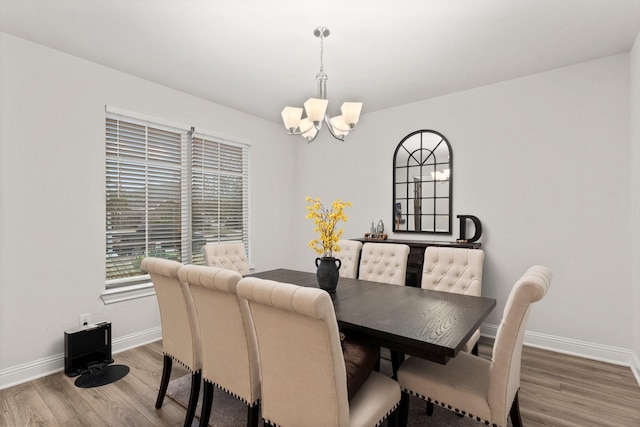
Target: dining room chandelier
316	108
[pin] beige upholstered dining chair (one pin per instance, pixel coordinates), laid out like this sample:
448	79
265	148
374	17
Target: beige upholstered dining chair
349	255
303	369
229	348
384	263
229	255
180	334
473	386
457	270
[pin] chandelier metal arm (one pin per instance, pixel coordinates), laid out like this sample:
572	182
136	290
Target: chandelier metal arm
329	126
302	132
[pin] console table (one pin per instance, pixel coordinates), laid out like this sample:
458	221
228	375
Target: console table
416	254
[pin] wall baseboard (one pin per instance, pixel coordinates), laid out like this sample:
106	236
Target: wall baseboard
46	366
635	367
603	353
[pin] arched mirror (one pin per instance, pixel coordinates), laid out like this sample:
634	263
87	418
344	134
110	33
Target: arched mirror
422	177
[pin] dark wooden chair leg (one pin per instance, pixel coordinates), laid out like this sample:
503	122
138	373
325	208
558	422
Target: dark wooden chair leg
516	420
393	420
474	350
396	360
196	377
207	402
253	415
429	408
403	410
164	382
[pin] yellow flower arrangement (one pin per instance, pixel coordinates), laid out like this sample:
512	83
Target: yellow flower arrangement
325	224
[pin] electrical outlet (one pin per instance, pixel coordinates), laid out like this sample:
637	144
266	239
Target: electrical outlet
85	319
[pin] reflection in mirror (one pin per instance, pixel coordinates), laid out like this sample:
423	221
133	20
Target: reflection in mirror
422	177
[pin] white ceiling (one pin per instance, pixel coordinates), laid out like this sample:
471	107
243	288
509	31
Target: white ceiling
259	55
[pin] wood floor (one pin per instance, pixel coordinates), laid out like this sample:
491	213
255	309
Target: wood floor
556	390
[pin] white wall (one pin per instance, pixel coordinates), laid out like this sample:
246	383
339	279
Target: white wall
52	111
635	202
543	162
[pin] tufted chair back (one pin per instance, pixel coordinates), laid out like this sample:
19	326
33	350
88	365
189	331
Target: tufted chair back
231	256
229	346
303	370
384	263
180	331
350	256
456	270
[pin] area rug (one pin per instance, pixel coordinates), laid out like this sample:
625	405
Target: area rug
228	411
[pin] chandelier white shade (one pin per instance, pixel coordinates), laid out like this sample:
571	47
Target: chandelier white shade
316	108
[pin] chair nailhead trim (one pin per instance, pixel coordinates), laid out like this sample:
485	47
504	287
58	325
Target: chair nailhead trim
446	406
245	401
180	362
378	424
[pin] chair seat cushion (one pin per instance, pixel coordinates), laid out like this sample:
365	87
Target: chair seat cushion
376	399
460	384
360	359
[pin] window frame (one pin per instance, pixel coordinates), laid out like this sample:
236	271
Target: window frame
123	288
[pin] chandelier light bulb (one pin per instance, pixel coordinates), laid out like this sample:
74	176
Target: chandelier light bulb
351	113
316	109
340	128
308	130
291	117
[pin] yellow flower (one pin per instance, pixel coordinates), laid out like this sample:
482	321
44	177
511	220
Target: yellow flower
325	221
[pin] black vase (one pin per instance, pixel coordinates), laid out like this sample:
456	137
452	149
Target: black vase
327	273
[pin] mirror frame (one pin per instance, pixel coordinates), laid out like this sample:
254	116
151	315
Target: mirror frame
427	167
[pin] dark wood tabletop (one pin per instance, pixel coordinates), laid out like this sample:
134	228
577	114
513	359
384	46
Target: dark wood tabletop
429	324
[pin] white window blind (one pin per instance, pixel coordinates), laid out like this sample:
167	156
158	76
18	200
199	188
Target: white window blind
219	196
168	192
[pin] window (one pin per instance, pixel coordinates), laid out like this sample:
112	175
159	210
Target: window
168	192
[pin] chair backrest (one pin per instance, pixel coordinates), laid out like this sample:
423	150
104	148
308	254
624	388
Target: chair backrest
384	263
504	373
231	256
303	370
229	346
349	254
180	332
457	270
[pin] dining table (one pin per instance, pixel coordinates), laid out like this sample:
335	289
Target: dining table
433	325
